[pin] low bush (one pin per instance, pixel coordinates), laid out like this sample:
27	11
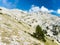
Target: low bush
39	34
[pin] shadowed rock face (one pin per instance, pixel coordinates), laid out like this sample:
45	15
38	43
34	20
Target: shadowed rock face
15	29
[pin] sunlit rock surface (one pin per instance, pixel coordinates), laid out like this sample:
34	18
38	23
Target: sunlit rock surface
15	26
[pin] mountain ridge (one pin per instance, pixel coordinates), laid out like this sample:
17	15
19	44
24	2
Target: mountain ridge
16	22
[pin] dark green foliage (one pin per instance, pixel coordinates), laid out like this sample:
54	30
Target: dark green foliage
30	25
0	9
44	31
1	13
39	34
47	27
55	33
55	27
52	40
19	22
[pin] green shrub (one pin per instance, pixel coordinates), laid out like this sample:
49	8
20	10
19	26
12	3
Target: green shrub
1	13
39	33
19	22
47	27
55	33
44	31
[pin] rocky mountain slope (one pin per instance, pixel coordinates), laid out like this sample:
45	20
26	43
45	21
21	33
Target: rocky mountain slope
17	25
